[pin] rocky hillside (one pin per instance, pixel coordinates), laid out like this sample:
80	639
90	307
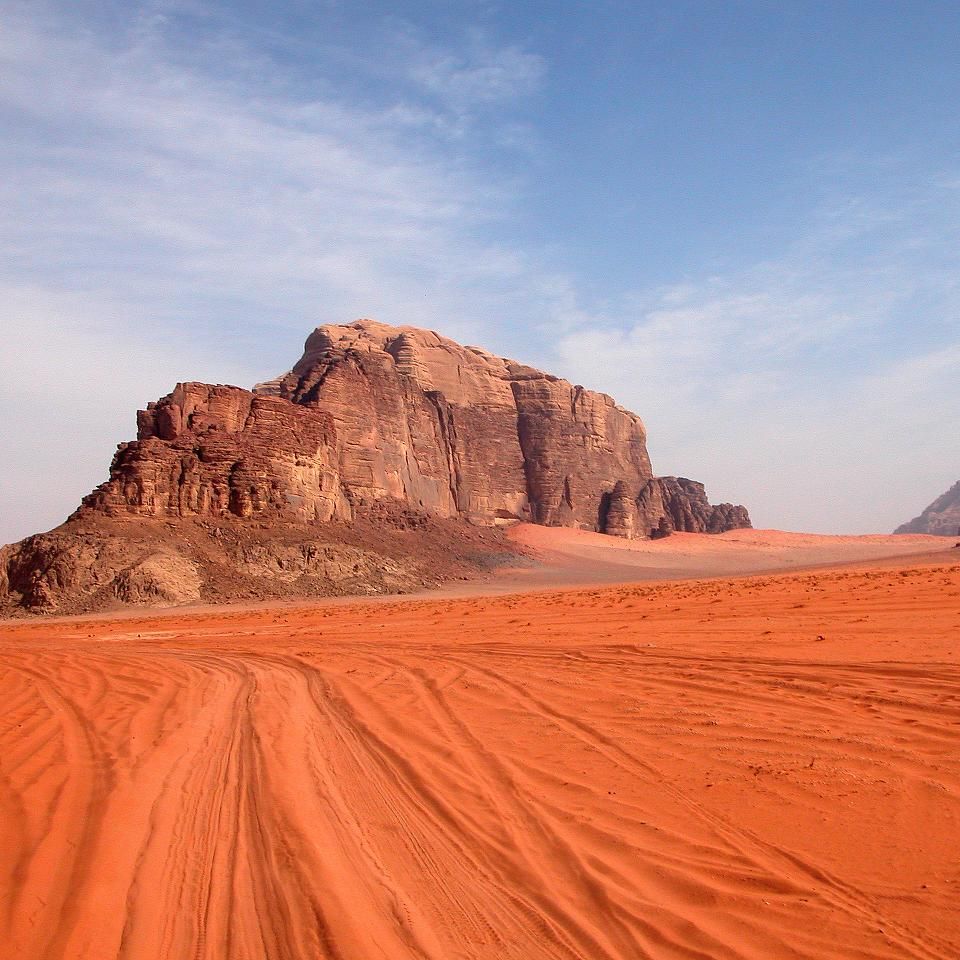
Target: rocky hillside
942	517
372	421
97	563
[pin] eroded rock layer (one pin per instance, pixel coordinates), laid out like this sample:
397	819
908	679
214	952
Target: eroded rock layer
212	451
373	412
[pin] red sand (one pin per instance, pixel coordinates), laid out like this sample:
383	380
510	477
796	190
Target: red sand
761	767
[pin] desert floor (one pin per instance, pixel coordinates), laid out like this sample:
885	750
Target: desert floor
763	766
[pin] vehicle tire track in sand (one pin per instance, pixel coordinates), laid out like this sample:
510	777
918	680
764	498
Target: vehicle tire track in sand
609	774
465	872
551	862
66	829
784	866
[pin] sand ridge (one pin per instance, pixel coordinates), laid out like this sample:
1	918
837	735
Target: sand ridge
758	767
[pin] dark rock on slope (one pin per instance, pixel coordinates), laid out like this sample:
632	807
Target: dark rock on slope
941	518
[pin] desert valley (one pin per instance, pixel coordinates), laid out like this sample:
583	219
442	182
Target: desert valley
608	720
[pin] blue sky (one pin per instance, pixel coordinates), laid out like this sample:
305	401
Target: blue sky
741	219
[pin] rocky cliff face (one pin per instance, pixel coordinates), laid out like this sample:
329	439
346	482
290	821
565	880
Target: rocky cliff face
942	517
375	428
206	451
372	412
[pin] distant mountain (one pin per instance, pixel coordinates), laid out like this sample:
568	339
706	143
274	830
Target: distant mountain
942	517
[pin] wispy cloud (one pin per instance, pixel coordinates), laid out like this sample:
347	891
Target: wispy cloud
225	190
480	75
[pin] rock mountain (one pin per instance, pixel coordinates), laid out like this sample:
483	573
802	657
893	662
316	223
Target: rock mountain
394	428
941	518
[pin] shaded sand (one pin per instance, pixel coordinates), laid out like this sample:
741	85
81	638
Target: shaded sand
663	770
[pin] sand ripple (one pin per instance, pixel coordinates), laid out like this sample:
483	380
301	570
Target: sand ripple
766	767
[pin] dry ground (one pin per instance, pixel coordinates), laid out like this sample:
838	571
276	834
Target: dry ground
755	767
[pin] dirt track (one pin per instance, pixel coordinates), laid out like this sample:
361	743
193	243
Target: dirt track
658	770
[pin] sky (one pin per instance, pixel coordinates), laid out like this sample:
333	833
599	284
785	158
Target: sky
741	219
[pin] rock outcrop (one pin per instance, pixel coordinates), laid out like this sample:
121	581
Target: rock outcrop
216	451
96	562
941	518
373	412
372	422
667	504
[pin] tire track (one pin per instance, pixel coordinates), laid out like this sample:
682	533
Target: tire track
785	864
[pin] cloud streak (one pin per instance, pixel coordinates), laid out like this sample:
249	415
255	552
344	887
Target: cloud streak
150	172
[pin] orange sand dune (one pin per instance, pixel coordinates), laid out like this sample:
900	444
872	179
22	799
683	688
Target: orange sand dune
764	767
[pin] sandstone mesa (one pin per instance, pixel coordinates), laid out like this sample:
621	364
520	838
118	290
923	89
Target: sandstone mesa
374	465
